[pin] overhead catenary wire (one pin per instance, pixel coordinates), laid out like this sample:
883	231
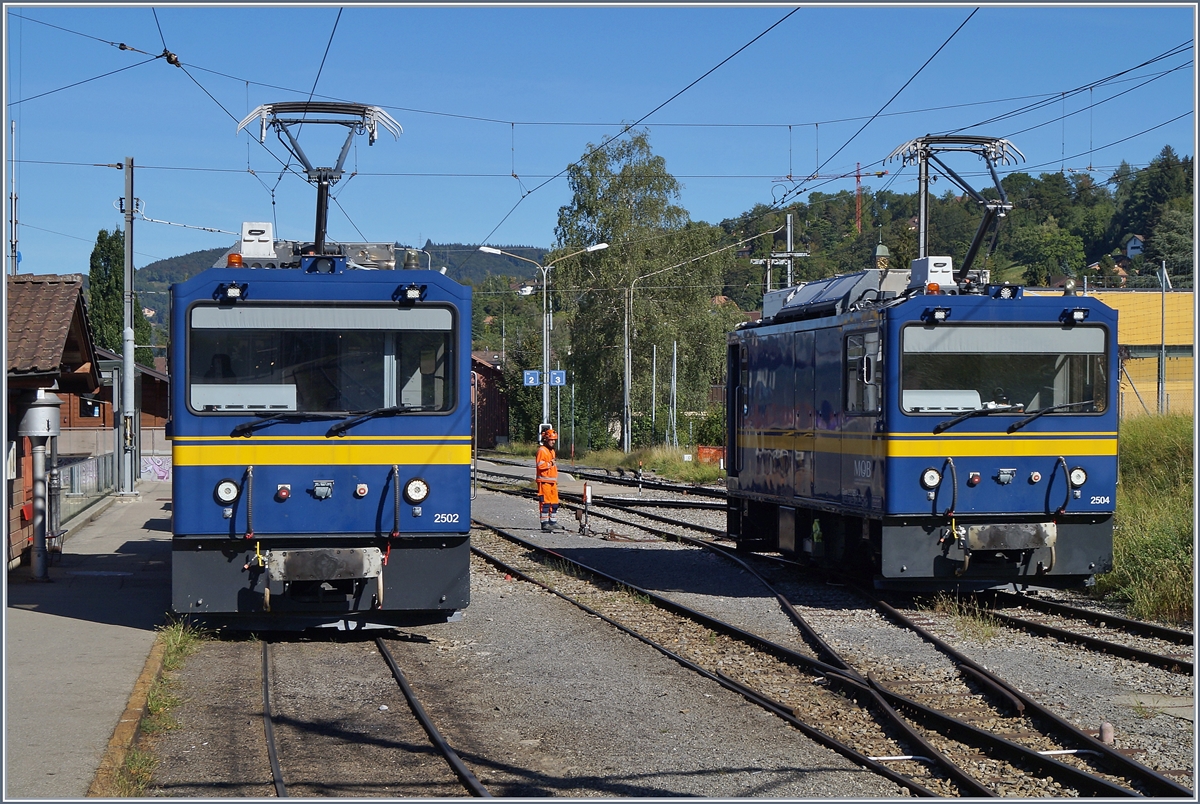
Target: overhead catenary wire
1048	99
637	122
119	45
912	78
84	81
1064	116
891	180
1053	97
1042	99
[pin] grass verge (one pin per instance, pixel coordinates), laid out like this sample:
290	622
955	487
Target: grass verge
179	640
666	462
1153	558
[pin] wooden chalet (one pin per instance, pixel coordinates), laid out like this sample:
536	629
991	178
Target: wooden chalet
50	346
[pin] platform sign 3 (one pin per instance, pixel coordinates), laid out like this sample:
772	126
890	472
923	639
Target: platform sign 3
558	378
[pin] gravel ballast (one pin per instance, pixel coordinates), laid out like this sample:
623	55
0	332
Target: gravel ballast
542	699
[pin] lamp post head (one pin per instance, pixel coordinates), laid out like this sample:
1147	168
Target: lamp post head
490	250
597	247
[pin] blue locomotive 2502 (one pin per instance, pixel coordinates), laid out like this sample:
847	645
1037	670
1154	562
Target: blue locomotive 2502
926	427
321	428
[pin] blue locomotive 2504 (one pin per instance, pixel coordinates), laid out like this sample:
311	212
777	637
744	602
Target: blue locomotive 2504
926	427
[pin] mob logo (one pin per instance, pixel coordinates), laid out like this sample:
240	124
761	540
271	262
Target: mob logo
862	469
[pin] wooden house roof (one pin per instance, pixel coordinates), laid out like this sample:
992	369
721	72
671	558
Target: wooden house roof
49	337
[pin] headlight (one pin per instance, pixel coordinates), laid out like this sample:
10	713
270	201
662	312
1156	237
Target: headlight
226	491
930	478
416	490
1078	476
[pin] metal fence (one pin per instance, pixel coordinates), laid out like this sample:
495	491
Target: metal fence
80	483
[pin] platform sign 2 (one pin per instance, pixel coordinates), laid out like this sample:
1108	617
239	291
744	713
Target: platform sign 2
531	378
558	378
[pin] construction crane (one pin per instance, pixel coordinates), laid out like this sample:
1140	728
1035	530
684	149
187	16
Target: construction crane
857	174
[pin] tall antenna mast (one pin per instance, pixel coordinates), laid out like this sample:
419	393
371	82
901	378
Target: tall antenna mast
13	201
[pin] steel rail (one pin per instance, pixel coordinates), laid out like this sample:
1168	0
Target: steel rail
1174	664
626	480
775	707
1156	783
269	726
1137	627
1015	699
464	774
575	501
636	502
1084	781
855	684
1087	781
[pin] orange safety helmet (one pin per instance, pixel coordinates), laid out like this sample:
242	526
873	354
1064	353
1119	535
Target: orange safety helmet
549	435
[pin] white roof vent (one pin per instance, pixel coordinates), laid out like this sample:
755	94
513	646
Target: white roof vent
258	241
932	269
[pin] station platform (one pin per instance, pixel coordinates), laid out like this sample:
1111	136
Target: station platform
76	647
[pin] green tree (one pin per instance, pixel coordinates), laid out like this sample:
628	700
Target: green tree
1172	241
1047	250
660	274
106	290
1142	199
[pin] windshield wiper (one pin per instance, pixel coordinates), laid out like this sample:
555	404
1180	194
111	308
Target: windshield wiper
970	414
1015	426
246	428
390	410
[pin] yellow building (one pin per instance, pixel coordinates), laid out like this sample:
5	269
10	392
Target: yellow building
1143	317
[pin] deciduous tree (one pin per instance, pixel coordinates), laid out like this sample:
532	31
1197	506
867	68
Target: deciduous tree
661	273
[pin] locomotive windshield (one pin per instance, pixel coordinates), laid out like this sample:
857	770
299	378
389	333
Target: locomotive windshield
320	358
947	368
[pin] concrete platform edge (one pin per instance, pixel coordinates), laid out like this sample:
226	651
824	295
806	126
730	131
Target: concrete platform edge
104	784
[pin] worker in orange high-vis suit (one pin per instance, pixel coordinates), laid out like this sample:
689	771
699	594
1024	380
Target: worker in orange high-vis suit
547	480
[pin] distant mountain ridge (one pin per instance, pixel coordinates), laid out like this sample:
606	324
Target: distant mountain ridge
463	263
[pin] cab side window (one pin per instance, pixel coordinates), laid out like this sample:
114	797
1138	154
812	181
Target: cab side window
862	373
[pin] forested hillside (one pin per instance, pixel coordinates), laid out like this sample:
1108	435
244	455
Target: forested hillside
1072	224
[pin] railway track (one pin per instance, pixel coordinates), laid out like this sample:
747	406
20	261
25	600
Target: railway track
1147	643
623	477
314	744
1155	645
941	754
1076	756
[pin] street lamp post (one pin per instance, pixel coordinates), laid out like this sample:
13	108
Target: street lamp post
545	269
627	414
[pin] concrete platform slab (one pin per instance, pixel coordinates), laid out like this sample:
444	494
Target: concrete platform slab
75	647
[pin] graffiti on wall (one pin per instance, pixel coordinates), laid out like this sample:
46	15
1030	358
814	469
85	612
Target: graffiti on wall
156	467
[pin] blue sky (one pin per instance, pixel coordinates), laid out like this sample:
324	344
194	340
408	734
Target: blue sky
486	92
